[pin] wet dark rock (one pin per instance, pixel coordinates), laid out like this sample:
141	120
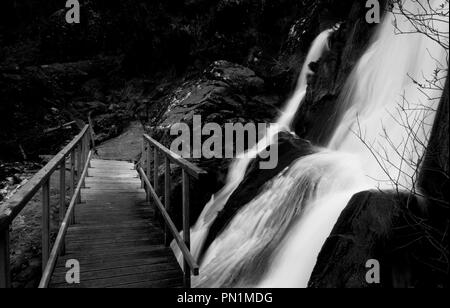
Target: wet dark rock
227	92
434	177
236	76
317	117
290	148
393	229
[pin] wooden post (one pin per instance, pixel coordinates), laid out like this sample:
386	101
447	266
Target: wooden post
72	182
155	171
79	169
142	159
83	159
5	273
92	134
167	199
45	223
149	162
62	196
86	154
186	228
90	147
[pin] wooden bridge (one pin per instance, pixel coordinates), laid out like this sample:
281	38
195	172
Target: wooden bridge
110	227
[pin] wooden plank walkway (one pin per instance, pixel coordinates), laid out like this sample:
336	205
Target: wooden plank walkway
115	237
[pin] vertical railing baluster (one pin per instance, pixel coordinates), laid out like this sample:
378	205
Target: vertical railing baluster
45	223
148	161
186	227
5	272
155	171
89	146
167	198
83	159
72	182
79	169
142	160
62	196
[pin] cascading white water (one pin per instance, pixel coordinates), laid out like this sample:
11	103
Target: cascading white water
239	166
319	45
305	200
381	96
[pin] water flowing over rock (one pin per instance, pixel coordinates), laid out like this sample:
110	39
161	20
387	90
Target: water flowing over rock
384	226
274	239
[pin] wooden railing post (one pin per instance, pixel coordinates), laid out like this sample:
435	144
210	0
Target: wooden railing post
142	157
89	144
186	227
62	197
149	161
5	273
155	171
79	169
72	182
83	158
45	223
167	198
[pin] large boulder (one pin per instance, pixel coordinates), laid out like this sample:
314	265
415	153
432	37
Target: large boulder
316	118
391	228
290	148
225	93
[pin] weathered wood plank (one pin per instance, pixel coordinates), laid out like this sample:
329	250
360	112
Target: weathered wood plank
105	179
151	253
124	280
119	174
132	260
120	271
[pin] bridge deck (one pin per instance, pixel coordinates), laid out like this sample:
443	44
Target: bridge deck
115	237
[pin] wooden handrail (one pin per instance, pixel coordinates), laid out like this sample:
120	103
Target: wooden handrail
190	168
185	251
59	242
78	150
18	201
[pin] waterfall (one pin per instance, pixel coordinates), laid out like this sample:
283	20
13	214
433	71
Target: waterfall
239	165
319	45
274	240
380	97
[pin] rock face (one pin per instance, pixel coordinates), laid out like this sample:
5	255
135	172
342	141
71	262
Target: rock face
390	228
225	93
290	148
434	178
316	119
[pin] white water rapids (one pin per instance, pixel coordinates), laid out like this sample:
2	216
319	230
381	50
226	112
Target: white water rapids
274	240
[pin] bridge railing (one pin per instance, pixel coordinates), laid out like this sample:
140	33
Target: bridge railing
152	151
77	153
